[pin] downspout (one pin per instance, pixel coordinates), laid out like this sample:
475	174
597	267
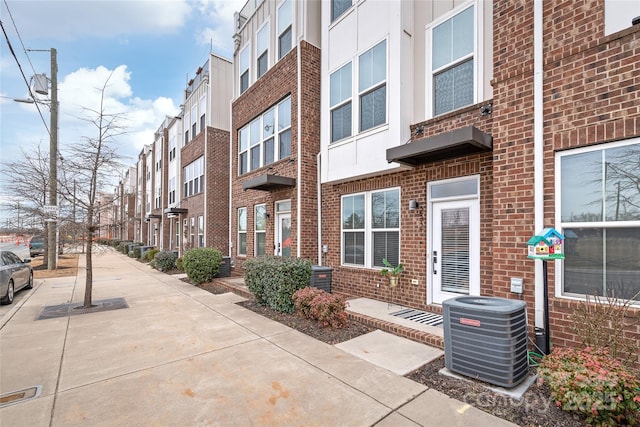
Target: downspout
538	153
231	177
319	196
206	164
299	162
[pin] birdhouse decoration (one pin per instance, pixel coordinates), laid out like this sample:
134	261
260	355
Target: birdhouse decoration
547	244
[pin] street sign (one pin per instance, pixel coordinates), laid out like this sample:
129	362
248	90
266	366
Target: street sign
52	210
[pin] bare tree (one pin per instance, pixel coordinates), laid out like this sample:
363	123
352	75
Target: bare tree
92	164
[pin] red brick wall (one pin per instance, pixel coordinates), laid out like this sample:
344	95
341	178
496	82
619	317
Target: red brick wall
591	95
278	83
413	233
217	190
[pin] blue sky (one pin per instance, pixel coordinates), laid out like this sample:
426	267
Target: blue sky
152	47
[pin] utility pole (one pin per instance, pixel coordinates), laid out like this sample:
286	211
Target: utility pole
52	226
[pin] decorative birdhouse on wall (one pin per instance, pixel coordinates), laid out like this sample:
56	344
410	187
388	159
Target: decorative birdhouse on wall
547	244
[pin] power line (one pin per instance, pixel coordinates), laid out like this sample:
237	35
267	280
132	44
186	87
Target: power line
15	27
13	53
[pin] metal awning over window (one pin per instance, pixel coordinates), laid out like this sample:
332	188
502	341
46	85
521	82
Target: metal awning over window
175	212
268	182
447	145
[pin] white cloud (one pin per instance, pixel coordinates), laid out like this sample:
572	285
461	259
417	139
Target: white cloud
80	92
219	17
67	19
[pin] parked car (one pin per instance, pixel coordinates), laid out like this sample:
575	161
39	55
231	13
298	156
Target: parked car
37	246
15	274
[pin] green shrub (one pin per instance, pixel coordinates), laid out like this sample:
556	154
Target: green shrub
592	383
135	252
164	261
273	280
201	264
151	253
123	247
179	264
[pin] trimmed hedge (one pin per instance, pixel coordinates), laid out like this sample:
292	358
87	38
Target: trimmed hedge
151	254
273	280
164	261
201	264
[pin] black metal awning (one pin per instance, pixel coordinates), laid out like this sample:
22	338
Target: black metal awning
447	145
175	211
155	216
268	182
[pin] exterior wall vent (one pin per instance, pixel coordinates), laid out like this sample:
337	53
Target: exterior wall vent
486	338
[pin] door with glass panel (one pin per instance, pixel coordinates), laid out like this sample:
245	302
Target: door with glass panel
454	266
283	229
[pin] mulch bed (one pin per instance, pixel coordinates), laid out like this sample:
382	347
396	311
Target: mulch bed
534	409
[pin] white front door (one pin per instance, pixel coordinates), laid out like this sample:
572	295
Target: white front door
454	259
283	235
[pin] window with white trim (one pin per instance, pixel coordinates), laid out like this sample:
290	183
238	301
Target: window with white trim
262	50
284	28
194	177
266	139
186	127
192	235
172	190
371	228
451	77
372	86
200	231
242	231
599	209
203	112
244	68
194	123
177	243
340	102
260	230
338	7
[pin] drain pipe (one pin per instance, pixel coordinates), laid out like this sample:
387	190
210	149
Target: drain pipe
319	196
538	155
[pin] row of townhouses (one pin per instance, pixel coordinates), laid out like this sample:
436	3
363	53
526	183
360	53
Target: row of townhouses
439	134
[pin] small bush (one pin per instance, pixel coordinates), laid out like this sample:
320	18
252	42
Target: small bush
201	264
135	252
179	265
592	383
164	261
302	300
123	247
151	253
273	280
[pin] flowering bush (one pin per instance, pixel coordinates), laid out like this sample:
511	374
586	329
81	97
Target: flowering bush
316	304
302	300
591	382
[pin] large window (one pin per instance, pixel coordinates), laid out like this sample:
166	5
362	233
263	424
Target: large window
194	177
340	102
266	139
452	62
260	229
242	231
284	28
372	86
371	228
599	207
244	68
338	7
186	127
203	111
262	50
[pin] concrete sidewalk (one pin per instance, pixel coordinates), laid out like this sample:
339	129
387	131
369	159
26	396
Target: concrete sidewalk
180	356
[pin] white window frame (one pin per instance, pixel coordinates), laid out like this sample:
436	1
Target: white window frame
177	242
242	231
244	66
192	232
202	105
186	127
477	56
262	50
339	104
561	225
283	26
368	227
263	231
335	17
194	120
200	231
247	135
374	87
193	174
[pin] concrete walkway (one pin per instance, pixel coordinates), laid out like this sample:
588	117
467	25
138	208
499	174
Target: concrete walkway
180	356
